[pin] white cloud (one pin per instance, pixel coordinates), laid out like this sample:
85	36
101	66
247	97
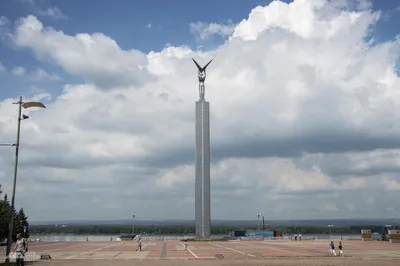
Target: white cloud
31	2
330	207
85	55
4	27
3	21
390	184
204	30
304	113
18	71
307	19
2	67
40	75
52	12
36	75
271	174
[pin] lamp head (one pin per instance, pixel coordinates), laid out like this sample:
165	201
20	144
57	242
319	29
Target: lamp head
27	105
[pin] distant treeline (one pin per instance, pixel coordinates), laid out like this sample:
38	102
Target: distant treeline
187	230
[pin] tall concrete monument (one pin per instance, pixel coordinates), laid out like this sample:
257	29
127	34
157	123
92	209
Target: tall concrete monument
202	175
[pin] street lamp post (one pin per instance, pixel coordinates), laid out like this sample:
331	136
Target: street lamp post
330	230
263	223
26	105
133	222
387	228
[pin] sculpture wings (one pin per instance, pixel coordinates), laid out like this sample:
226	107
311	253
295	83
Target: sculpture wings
202	69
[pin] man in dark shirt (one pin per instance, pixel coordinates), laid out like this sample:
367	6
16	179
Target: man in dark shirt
340	249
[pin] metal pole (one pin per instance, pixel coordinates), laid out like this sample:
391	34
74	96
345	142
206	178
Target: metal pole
263	225
133	223
258	221
11	224
387	228
330	231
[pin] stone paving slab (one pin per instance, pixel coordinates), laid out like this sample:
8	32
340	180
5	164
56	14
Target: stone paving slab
236	250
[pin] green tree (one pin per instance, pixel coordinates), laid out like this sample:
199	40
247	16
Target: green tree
4	216
384	236
20	219
21	222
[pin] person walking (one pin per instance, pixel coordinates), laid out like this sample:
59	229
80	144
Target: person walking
332	249
186	245
341	249
139	245
21	247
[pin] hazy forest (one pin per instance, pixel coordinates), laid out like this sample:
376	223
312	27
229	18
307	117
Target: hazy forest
188	230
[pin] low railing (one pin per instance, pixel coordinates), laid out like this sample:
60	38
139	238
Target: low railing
94	238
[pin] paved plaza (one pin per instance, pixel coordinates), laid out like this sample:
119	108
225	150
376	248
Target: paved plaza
171	252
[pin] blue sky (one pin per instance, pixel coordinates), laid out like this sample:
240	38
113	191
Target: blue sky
143	25
127	22
303	116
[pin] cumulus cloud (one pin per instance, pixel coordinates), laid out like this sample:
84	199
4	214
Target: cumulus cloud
204	30
41	75
304	121
36	75
51	12
18	71
88	56
4	29
2	67
3	21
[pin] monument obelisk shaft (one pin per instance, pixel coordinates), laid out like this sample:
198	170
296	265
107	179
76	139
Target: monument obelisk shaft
202	174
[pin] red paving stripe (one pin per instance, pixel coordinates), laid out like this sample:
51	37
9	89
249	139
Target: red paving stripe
232	249
90	251
284	250
227	251
179	254
188	249
311	250
76	246
54	248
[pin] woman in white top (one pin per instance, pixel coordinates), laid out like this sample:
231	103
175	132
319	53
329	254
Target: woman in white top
20	248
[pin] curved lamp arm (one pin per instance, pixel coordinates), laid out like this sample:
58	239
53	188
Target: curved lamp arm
33	104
